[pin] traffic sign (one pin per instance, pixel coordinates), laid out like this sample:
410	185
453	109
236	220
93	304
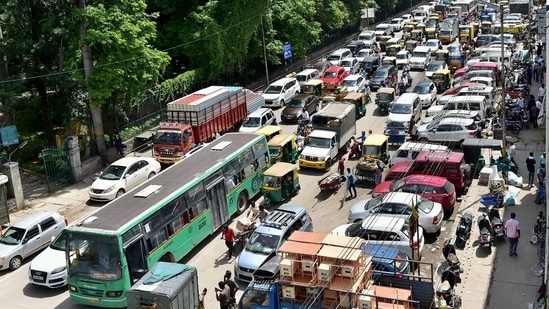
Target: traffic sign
287	51
9	136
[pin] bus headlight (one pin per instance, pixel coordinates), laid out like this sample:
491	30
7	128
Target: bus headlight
114	293
73	288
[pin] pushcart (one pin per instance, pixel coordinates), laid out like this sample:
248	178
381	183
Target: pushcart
396	132
365	169
244	227
495	200
331	182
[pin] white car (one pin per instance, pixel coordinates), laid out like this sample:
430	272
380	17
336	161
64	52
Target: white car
350	64
49	268
385	230
434	45
434	66
400	203
397	24
427	92
421	56
355	83
402	58
448	130
383	29
122	176
454	114
368	37
363	53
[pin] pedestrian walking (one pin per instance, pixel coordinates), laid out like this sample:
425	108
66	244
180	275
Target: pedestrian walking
227	233
233	287
534	113
541	93
512	231
531	166
378	173
351	185
542	160
536	71
118	144
529	74
341	165
511	151
223	295
541	176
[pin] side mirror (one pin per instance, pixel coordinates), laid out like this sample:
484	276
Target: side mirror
26	240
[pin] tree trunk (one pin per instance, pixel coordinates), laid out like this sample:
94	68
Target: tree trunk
95	109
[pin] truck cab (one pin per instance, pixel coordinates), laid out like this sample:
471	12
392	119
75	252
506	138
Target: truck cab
321	151
172	141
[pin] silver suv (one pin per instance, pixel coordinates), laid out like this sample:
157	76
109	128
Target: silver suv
281	91
29	236
268	237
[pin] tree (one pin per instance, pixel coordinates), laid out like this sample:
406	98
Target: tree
118	34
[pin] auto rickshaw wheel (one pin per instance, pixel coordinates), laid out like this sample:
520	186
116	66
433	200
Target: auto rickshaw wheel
242	202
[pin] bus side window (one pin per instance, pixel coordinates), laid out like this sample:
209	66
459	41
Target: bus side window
185	218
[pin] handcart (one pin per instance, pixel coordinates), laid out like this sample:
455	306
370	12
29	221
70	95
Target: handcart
396	132
365	169
331	182
244	227
492	201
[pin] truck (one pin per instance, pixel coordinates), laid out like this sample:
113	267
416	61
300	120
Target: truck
315	270
166	285
198	118
333	129
519	6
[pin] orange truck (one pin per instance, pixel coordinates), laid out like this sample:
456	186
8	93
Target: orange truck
197	118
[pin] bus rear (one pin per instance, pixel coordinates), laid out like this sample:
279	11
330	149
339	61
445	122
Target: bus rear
97	272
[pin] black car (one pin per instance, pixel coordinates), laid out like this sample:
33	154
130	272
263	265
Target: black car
370	64
355	46
384	76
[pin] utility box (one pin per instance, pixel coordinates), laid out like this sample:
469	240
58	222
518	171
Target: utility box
166	286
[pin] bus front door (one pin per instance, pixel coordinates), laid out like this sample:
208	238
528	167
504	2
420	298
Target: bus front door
216	195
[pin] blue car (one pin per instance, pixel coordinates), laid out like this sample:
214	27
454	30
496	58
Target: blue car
387	261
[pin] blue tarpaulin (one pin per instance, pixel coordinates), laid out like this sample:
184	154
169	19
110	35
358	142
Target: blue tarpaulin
163	271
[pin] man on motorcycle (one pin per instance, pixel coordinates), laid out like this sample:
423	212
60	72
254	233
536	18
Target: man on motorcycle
404	81
405	68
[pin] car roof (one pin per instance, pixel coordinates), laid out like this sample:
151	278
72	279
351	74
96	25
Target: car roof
302	96
383	222
404	51
281	219
334	68
422	48
456	120
437	62
439	156
379	253
127	161
35	218
307	71
352	77
385	67
400	197
282	81
426	180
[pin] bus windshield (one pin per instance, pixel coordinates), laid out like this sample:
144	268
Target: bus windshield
95	256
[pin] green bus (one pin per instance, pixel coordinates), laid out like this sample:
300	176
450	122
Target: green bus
162	219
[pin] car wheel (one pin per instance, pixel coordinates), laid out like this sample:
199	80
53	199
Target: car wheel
152	174
282	103
120	193
16	262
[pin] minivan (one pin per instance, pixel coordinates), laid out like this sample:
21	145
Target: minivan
28	236
267	238
281	91
406	108
306	75
338	55
409	151
257	120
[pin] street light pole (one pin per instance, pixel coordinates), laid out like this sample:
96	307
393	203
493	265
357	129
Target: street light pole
502	77
264	51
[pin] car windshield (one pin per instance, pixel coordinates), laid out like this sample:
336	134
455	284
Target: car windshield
334	58
402	56
113	172
319	67
419	54
346	63
95	256
401	109
421	89
445	32
453	49
432	44
319	142
349	82
363	54
168	137
12	236
251	122
273	90
355	230
397	184
271	181
380	74
301	78
330	74
60	242
366	37
262	243
296	103
434	66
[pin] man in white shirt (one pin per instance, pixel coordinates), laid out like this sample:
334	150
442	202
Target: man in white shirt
538	104
520	101
541	92
304	115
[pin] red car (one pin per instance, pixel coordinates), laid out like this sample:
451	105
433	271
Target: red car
334	75
435	188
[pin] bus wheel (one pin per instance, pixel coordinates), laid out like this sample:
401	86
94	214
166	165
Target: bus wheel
242	202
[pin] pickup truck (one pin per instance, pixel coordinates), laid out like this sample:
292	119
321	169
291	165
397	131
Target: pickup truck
333	128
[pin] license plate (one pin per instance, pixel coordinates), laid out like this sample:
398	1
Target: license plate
37	277
92	300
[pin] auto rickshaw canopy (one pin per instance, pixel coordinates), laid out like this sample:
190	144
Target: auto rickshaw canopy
517	28
375	146
442	55
485	26
283	148
410	45
393	50
385	94
269	131
354	97
441	79
389	60
313	86
408	28
281	169
431	33
420	27
417	34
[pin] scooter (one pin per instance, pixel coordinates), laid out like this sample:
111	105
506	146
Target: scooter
496	223
445	297
463	230
486	232
452	261
539	229
301	128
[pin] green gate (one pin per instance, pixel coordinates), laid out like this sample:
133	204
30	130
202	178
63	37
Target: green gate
58	168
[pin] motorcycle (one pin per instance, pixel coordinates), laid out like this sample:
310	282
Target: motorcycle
301	128
463	230
486	232
538	235
451	259
496	222
445	297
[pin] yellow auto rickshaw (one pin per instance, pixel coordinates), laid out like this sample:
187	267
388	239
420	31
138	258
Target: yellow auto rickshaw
334	94
431	33
456	62
417	35
476	28
359	100
464	39
383	42
518	29
434	16
442	55
283	148
485	26
441	79
420	27
389	60
314	86
376	146
280	181
408	28
384	97
410	45
393	50
269	131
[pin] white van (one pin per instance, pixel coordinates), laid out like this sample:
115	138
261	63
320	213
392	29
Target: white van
408	151
306	75
257	120
338	55
406	108
474	103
